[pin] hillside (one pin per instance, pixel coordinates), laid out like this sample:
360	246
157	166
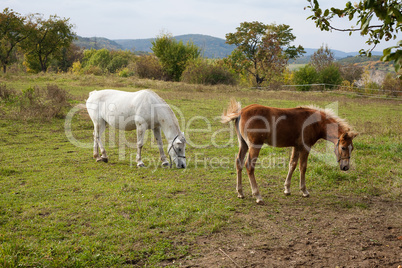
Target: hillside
97	43
212	47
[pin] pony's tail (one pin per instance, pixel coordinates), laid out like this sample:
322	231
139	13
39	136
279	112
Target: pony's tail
232	112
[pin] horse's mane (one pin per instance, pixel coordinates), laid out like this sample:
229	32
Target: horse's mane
330	114
169	109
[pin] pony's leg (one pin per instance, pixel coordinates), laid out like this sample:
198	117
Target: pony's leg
292	166
239	166
250	165
303	167
158	137
141	128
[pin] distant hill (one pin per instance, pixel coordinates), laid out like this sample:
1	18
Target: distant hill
339	55
97	43
212	47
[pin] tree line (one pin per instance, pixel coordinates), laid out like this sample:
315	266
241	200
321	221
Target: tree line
260	58
40	40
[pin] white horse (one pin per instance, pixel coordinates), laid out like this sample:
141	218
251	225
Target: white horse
139	110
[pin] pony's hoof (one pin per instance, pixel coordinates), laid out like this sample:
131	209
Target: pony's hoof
240	196
286	193
260	202
140	165
306	195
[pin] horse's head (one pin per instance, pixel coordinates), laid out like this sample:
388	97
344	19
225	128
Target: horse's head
344	148
177	151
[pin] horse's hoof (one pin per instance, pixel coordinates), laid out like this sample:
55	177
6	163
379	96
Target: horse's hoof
141	165
240	196
260	202
286	193
306	195
101	159
165	164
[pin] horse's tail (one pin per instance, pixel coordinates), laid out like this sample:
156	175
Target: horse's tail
233	111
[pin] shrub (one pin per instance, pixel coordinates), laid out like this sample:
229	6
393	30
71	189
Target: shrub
34	102
7	94
101	59
392	85
202	72
76	68
330	75
305	76
95	70
119	60
149	67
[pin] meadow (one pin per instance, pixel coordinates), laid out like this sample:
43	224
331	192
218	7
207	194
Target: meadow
59	208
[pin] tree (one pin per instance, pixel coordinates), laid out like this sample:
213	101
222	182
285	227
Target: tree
351	72
13	31
46	42
368	12
69	55
322	58
262	50
174	55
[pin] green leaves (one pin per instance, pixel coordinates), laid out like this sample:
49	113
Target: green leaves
394	54
174	55
387	12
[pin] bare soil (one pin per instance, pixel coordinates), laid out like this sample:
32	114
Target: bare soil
299	232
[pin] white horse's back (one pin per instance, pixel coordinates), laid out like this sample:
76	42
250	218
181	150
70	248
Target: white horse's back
122	109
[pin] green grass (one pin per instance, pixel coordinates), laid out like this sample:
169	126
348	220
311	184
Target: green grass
59	208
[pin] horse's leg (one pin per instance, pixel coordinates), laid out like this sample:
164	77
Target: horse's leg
96	146
239	166
99	128
250	165
141	128
158	137
102	127
303	166
292	166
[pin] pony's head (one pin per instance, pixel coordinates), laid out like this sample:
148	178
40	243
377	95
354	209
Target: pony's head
344	148
177	151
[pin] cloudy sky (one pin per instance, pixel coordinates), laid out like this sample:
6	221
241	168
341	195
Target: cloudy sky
138	19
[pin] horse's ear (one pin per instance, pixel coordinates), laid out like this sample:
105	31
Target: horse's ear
344	136
353	134
349	135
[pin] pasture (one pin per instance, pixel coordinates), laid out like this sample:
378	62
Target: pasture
59	208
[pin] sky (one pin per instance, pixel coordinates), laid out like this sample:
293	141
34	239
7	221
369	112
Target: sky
141	19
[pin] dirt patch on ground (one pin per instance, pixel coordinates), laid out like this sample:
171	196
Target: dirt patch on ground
341	232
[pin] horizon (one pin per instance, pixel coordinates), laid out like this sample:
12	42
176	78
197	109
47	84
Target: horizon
126	19
175	36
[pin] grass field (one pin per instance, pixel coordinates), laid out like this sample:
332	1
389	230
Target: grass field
59	208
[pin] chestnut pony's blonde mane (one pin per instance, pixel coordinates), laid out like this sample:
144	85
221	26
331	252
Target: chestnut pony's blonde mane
330	114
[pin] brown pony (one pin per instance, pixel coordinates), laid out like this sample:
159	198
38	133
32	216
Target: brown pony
299	128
